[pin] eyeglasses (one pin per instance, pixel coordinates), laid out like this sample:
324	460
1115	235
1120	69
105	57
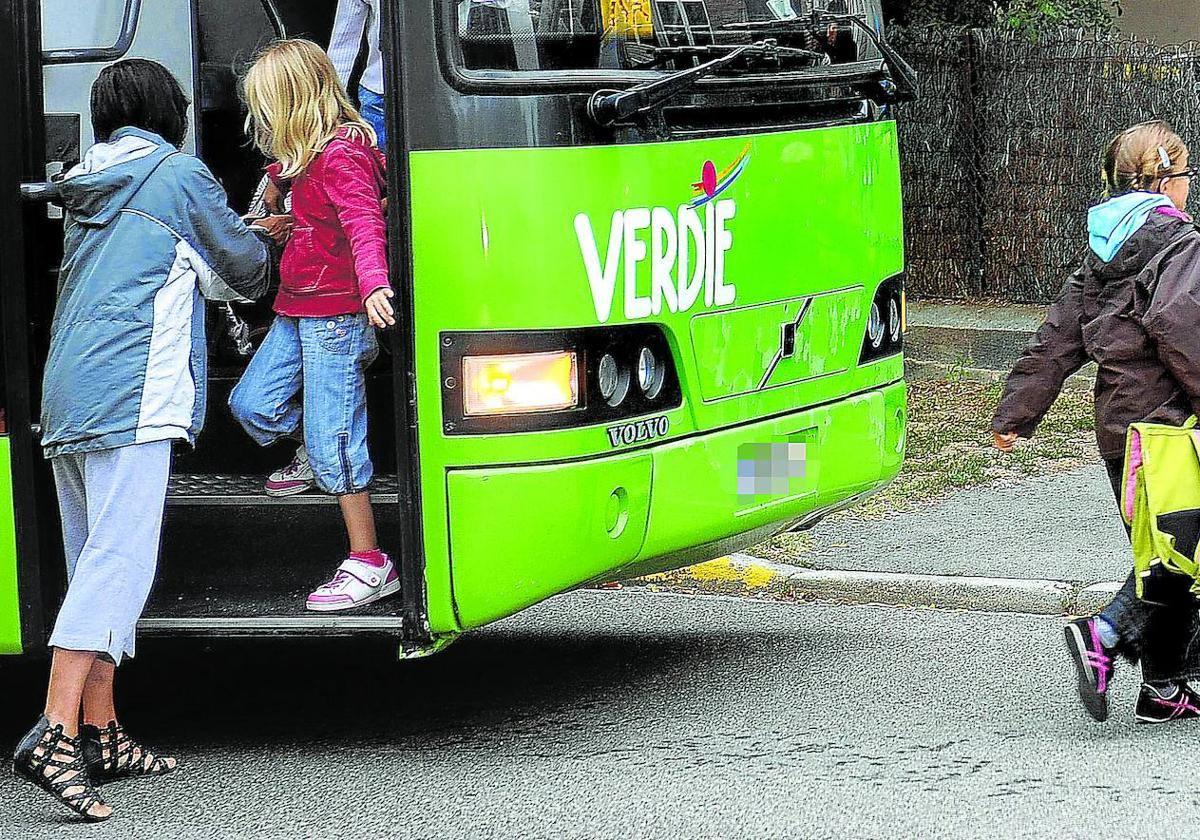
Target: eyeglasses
1190	173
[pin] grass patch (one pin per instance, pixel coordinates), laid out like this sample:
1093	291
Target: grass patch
950	442
950	448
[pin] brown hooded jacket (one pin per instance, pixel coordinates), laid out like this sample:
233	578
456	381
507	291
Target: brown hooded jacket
1138	318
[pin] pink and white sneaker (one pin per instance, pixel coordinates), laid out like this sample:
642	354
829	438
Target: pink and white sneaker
356	584
296	477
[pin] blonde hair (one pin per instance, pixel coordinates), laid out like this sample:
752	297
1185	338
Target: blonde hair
297	105
1139	156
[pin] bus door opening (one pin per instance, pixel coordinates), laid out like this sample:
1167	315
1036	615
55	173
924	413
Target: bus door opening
229	551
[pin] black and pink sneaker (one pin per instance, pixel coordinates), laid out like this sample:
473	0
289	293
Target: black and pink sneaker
1152	707
1094	664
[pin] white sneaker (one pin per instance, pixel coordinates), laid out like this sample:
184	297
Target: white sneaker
296	477
355	584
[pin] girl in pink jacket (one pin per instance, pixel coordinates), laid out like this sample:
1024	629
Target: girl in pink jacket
309	376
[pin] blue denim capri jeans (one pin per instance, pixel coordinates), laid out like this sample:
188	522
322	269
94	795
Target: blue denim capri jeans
310	374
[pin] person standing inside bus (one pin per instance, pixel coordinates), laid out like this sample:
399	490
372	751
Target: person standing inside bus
309	376
1133	308
356	19
148	233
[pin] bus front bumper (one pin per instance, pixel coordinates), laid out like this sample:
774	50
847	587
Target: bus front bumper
519	535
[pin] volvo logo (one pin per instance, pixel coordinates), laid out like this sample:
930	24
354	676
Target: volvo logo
787	342
640	431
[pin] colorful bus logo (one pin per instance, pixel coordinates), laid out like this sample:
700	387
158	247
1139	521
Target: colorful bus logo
712	183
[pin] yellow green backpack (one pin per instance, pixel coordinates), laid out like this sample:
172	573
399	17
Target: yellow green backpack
1160	501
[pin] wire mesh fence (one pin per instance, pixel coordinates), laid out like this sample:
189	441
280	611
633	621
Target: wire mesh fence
1001	156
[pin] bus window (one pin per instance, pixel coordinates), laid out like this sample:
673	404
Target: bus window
78	39
550	35
82	26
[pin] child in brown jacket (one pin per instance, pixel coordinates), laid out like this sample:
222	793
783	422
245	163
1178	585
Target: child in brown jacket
1133	308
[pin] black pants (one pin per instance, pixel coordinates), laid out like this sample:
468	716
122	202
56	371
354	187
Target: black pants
1162	638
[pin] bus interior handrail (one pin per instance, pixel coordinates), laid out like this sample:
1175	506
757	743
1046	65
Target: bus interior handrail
276	18
40	192
89	55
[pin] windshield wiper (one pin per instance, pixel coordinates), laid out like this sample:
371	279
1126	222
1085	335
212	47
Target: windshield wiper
656	55
904	78
608	106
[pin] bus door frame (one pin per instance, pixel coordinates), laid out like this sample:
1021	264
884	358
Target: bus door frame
25	234
23	228
410	540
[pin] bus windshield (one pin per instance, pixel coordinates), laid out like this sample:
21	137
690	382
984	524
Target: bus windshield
628	35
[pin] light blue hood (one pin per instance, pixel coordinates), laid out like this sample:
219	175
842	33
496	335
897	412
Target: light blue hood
1111	224
111	174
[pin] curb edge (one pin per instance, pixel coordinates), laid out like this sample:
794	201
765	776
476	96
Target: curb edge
744	576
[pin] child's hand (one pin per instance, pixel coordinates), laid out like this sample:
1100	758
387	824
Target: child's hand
278	227
273	198
379	308
1004	442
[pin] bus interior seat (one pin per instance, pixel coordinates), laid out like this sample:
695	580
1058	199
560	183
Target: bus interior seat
230	34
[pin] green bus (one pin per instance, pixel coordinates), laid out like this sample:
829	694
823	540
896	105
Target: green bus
649	264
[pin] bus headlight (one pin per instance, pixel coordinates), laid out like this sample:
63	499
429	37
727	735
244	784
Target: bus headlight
650	373
875	327
498	382
885	322
613	381
520	384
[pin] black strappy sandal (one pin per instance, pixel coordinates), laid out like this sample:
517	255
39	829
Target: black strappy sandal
58	769
112	755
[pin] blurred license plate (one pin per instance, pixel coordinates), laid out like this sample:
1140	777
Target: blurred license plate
771	470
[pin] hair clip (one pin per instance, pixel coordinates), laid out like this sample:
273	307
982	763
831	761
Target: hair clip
1165	157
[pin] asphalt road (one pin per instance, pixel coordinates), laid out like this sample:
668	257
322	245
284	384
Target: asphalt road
630	714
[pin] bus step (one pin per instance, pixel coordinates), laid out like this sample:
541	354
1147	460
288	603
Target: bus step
251	610
282	626
214	489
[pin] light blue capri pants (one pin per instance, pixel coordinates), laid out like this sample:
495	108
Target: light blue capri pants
112	510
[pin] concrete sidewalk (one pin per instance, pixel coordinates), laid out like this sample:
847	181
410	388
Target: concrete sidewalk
986	336
980	340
